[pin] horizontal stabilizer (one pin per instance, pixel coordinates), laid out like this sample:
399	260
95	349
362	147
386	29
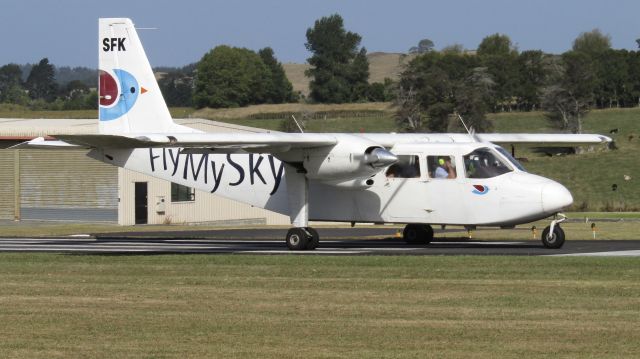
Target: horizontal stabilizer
41	143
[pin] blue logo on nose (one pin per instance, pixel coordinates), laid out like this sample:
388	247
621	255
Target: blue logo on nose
480	189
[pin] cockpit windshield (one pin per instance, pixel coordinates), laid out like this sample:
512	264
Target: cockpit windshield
513	161
484	163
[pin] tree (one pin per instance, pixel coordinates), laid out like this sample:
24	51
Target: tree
500	57
457	49
532	75
434	86
279	89
409	115
592	43
230	77
339	68
472	97
613	75
569	96
425	45
177	88
496	45
11	89
41	82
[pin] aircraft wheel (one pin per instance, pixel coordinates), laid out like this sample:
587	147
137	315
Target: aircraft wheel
298	239
417	233
553	240
314	242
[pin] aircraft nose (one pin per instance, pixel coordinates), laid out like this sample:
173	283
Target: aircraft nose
555	197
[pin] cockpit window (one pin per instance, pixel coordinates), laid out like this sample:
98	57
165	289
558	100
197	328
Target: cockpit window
513	161
484	163
408	166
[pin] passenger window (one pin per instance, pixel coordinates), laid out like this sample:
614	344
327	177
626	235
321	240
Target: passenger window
408	166
484	163
442	167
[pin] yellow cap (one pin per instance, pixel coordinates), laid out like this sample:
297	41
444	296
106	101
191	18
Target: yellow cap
441	162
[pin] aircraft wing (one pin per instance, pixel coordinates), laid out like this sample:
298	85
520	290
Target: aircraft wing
543	140
221	142
281	142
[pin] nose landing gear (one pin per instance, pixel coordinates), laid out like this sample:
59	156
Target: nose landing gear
553	235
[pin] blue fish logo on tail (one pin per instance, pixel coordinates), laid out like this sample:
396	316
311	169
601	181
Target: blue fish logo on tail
117	97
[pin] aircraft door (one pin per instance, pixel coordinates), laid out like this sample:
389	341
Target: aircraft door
402	195
444	201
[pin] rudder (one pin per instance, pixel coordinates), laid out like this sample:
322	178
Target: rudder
130	100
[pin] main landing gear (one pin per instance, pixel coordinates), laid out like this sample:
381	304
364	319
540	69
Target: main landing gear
302	238
417	233
553	235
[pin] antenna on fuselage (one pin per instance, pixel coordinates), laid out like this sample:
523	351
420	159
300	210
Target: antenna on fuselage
471	132
297	124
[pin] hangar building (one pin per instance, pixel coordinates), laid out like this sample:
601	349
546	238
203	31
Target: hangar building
65	185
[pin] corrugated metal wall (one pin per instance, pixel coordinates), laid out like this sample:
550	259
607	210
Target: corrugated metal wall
7	209
67	185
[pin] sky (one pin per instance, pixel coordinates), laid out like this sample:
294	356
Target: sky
65	31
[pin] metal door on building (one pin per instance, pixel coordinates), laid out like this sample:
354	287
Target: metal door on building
68	186
7	184
141	203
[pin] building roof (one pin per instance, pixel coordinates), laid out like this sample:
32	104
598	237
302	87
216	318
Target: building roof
27	128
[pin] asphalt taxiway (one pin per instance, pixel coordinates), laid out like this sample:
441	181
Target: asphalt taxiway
334	241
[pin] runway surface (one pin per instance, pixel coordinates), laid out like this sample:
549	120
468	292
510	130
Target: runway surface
334	241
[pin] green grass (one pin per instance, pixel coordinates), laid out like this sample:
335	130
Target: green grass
318	307
589	176
360	124
17	111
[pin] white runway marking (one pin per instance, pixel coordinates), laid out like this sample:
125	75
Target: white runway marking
317	251
631	253
482	243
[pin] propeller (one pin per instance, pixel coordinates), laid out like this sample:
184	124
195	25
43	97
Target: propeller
379	157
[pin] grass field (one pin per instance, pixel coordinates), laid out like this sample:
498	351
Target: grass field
317	307
17	111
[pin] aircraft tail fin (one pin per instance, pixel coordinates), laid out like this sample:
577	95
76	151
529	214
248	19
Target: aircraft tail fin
130	100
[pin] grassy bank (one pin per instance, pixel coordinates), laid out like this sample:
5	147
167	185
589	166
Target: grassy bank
17	111
317	307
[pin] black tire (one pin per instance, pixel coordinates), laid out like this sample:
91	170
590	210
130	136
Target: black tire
297	239
314	242
418	233
553	240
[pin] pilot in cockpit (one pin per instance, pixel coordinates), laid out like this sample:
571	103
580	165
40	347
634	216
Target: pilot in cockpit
445	169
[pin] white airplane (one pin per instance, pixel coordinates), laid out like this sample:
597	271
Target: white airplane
415	179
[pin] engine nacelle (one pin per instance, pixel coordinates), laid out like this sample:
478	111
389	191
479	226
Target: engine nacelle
353	157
